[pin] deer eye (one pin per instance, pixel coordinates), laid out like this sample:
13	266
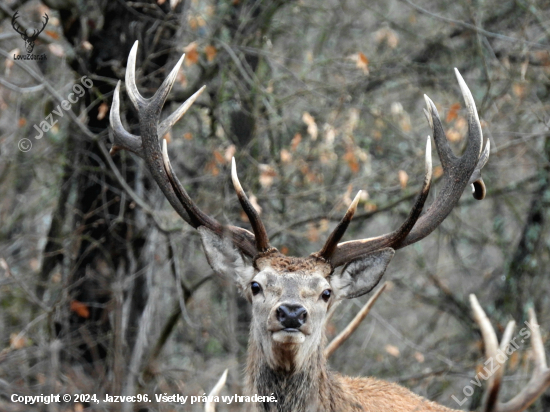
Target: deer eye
326	294
255	288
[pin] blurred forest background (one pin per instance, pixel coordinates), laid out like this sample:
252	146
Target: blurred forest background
103	289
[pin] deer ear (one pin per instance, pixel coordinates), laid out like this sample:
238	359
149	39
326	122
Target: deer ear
361	275
224	258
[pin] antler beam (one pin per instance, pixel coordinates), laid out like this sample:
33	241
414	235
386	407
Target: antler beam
458	173
147	147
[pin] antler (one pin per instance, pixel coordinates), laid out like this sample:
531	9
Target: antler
37	32
147	147
540	380
458	173
16	25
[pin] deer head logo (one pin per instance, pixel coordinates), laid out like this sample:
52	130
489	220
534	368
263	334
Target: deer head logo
29	40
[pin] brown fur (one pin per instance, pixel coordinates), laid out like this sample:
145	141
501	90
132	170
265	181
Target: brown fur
313	388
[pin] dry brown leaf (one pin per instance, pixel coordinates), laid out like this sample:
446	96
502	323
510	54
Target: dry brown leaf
370	207
191	54
254	202
295	141
182	78
351	160
102	111
219	157
453	112
330	134
419	357
392	350
22	122
312	129
52	34
192	23
513	362
462	125
168	137
230	152
188	136
56	50
438	172
405	123
542	56
212	168
210	52
361	61
284	250
9	62
267	174
388	36
86	45
286	156
312	233
17	342
454	135
81	309
403	179
519	90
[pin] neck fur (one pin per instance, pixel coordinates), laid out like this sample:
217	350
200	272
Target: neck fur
307	387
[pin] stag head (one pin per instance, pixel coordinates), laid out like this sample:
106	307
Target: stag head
29	40
291	296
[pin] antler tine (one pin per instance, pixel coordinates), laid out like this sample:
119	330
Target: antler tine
122	139
211	406
537	344
333	239
444	151
457	170
125	140
491	351
457	174
349	251
242	238
162	93
16	26
262	241
540	380
178	113
37	32
487	332
157	161
130	79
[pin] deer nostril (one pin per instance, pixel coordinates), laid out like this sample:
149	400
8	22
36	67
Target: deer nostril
291	316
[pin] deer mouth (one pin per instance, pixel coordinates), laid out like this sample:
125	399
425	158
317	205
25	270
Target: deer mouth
288	336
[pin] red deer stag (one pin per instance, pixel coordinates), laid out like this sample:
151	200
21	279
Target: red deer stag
291	296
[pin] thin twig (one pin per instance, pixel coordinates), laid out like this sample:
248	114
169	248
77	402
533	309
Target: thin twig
32	297
354	324
475	28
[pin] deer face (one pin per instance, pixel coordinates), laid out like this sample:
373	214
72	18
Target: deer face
291	296
290	299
